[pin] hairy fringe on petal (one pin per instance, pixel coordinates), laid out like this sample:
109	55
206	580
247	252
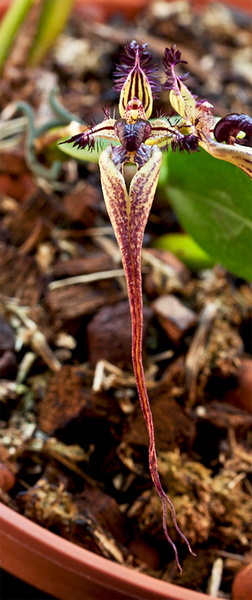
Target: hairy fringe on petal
133	53
81	140
181	142
172	57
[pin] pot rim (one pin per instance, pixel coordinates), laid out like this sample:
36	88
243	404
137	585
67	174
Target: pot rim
65	570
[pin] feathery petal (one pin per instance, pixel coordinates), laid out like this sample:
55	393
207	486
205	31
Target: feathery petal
90	135
128	61
136	78
172	57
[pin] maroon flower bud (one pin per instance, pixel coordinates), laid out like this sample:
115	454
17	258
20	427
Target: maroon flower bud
227	129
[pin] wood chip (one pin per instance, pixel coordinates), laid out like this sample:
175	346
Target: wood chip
40	206
80	266
175	318
69	398
20	276
174	428
75	301
109	333
81	205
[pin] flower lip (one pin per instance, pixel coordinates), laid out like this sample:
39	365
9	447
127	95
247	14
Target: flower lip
132	135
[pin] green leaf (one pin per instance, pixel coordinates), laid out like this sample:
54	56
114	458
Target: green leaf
54	16
186	249
213	202
84	154
9	26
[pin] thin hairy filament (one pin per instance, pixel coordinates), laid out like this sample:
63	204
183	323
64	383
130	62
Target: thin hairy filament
132	269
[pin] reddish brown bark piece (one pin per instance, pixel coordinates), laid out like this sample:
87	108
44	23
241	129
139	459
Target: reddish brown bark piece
41	230
105	511
15	179
82	204
80	266
74	301
7	478
20	187
175	318
224	416
109	333
173	427
19	276
39	206
13	162
172	261
144	552
69	398
241	394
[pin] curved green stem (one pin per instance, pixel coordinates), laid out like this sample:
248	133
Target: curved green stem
38	169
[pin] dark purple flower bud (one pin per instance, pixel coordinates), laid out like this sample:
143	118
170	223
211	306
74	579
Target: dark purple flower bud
136	56
132	135
172	57
227	129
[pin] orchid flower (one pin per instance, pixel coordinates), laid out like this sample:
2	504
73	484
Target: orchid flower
138	141
198	120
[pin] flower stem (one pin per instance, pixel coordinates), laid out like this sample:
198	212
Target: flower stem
132	268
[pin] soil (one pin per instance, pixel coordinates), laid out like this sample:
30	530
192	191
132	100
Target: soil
74	447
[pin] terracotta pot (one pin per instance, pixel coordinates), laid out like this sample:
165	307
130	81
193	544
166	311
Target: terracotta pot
242	586
64	570
103	8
